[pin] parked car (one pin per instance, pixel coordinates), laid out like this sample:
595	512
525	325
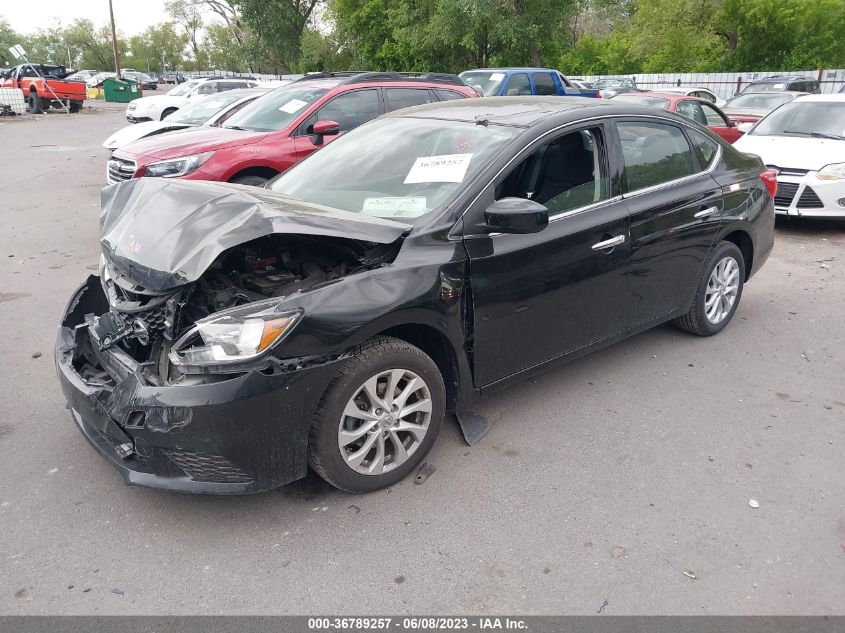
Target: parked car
81	75
510	82
749	108
609	88
158	107
235	335
689	91
277	131
804	140
44	87
211	110
144	80
783	83
699	110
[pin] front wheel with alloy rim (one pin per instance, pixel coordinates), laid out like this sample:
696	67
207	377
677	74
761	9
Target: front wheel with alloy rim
718	293
379	417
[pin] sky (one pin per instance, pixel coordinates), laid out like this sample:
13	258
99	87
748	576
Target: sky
130	16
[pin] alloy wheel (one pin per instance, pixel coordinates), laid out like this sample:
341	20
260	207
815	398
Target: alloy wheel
384	422
722	290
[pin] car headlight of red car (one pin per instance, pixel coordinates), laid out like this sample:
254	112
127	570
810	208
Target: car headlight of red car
174	167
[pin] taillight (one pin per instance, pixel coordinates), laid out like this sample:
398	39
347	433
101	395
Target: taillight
770	179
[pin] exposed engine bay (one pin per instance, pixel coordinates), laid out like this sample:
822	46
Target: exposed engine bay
145	323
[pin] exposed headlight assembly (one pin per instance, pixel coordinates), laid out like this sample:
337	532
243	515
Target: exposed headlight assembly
834	171
177	166
237	335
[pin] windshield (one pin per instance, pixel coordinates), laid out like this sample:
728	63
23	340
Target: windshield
766	86
613	83
487	80
654	102
759	101
182	89
201	111
395	168
805	118
276	110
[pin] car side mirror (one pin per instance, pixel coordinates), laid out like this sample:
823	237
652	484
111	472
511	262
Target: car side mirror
324	128
516	215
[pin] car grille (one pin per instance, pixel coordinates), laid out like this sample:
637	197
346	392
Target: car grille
785	193
119	169
789	171
809	200
206	467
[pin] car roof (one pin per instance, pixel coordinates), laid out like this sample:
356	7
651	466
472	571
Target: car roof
521	111
506	69
834	97
680	89
796	93
778	78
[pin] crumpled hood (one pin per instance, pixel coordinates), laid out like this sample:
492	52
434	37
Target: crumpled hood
165	233
132	133
798	152
193	141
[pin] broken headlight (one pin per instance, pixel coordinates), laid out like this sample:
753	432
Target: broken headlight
177	166
234	336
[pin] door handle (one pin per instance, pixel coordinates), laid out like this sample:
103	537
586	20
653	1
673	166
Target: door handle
706	212
614	241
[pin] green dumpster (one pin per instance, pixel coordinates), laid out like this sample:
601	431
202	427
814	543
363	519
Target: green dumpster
121	90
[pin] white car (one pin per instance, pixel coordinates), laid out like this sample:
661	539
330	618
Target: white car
805	141
701	93
208	111
157	107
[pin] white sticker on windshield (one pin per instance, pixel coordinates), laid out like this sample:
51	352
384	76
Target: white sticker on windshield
445	168
778	86
292	106
411	207
497	76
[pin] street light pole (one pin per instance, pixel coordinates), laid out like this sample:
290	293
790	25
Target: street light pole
114	42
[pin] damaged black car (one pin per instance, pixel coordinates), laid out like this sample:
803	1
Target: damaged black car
234	335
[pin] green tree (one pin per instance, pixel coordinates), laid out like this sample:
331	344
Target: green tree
188	15
277	27
94	45
158	48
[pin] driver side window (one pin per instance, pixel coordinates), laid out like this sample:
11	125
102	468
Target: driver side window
564	174
349	109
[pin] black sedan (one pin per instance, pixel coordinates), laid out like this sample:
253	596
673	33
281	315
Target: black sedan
236	335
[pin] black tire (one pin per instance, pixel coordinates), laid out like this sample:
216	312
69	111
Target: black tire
377	355
696	321
167	112
253	181
75	107
34	104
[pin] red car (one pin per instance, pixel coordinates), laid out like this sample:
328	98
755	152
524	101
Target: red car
699	110
281	128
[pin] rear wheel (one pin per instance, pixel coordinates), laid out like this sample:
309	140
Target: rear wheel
75	106
254	181
718	294
167	112
379	417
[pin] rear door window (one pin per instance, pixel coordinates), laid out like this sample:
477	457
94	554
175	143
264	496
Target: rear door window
704	147
397	98
544	84
518	84
654	153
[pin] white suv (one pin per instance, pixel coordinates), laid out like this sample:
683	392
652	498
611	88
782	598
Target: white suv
157	107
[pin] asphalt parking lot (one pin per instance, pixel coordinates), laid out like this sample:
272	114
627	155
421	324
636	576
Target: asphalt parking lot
599	486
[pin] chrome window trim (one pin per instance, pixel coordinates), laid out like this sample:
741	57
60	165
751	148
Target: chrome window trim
682	124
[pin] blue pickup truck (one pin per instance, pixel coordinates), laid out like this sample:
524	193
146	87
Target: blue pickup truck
498	82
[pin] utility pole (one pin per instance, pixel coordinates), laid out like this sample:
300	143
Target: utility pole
114	42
